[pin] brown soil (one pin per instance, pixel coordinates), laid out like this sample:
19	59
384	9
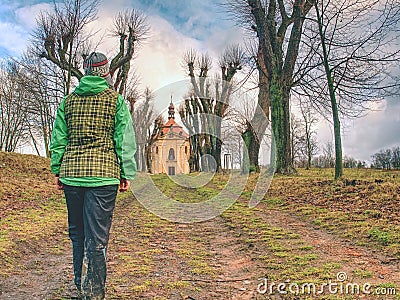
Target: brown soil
150	258
236	267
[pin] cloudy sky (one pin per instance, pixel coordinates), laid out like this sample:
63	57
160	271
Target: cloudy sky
177	25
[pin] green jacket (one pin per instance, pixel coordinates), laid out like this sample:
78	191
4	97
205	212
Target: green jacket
123	138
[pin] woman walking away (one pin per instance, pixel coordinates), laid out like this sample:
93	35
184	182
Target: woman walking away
92	154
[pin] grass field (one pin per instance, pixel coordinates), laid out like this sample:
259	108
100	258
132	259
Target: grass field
307	229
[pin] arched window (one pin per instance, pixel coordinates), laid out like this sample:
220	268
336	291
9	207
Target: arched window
171	154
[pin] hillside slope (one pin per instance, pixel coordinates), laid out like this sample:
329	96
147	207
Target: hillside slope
308	229
25	181
32	221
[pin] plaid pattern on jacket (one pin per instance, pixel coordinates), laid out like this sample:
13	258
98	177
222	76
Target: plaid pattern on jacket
90	151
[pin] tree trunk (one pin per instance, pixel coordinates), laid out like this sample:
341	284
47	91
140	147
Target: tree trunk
218	142
252	145
309	150
338	139
260	119
281	127
148	158
334	106
218	153
34	142
196	153
308	158
143	158
280	65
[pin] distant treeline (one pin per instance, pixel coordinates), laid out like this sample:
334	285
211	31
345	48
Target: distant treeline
386	159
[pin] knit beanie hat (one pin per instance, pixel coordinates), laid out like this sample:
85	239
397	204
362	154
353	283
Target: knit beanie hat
96	64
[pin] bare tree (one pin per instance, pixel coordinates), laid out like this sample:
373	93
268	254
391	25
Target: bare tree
60	38
46	87
13	108
230	62
387	159
296	137
356	48
207	103
255	129
59	35
238	121
132	28
309	140
328	156
142	117
396	158
278	25
303	136
349	162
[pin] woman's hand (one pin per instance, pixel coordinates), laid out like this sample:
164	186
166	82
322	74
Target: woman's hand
58	183
124	185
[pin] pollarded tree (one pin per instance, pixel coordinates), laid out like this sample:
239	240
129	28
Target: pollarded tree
60	37
197	107
131	27
207	104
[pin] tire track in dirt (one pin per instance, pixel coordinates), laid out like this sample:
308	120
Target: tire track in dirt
237	272
189	261
334	248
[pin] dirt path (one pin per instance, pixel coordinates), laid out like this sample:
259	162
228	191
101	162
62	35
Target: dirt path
223	258
331	248
40	276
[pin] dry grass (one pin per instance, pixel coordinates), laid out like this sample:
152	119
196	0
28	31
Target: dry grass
152	258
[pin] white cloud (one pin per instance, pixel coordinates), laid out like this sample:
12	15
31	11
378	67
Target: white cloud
26	16
13	38
158	60
221	38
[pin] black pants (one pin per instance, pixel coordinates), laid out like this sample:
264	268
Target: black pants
89	220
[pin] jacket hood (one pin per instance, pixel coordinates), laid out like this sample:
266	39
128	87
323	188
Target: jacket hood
91	85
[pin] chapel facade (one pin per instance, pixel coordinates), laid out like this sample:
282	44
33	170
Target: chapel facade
171	150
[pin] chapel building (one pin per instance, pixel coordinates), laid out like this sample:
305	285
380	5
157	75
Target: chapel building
171	151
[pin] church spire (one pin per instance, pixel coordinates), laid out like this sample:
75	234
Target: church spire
171	110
